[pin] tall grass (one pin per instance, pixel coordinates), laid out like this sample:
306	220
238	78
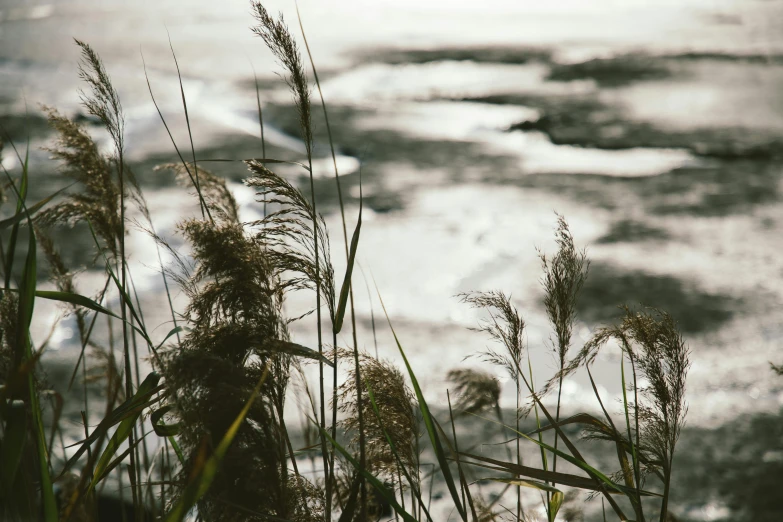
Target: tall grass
204	433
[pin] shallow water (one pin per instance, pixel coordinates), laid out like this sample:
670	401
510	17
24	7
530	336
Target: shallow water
655	128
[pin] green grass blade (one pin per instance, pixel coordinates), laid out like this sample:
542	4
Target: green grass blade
260	125
202	202
277	345
164	430
129	408
26	306
555	477
338	322
124	430
205	207
177	449
570	445
555	501
544	462
637	502
23	344
608	430
202	480
75	299
455	451
172	332
68	297
15	501
86	302
579	418
116	462
20	216
50	511
112	466
27	297
581	464
576	462
24	353
598	397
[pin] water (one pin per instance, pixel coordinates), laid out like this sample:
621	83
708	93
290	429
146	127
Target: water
663	156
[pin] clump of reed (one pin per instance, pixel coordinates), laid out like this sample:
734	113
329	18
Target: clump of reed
653	417
233	314
221	378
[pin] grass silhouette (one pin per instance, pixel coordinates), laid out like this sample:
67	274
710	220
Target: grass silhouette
214	405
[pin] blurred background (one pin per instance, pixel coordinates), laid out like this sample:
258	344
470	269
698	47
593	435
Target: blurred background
655	128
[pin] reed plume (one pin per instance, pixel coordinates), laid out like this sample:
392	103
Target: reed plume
278	39
304	501
506	326
298	252
477	391
99	200
656	412
213	189
102	101
236	296
564	276
397	419
234	313
656	348
388	430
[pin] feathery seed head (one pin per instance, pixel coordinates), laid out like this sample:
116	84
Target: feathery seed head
654	344
289	237
477	391
505	325
213	188
564	276
278	39
305	501
103	101
395	403
657	351
99	202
